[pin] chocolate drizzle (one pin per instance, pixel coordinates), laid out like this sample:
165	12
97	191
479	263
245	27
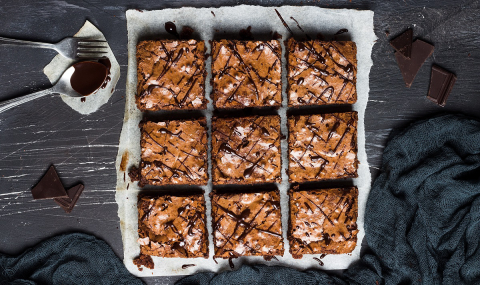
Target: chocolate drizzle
283	22
319	261
185	266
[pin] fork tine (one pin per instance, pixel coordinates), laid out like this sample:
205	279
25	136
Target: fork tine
90	47
90	54
88	57
82	41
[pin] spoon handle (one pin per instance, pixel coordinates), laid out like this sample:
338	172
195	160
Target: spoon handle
8	104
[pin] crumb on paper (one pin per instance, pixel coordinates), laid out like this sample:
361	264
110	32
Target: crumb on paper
145	261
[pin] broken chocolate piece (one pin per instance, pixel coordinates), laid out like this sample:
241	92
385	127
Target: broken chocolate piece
441	84
74	193
49	186
403	43
410	67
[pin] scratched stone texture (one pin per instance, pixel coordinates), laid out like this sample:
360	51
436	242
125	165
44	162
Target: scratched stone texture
83	148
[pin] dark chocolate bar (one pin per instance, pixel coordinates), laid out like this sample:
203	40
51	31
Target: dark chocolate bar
410	67
403	43
49	186
441	84
74	193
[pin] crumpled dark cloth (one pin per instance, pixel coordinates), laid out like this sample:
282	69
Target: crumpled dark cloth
66	259
422	219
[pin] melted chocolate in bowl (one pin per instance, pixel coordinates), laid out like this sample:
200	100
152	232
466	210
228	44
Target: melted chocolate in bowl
88	77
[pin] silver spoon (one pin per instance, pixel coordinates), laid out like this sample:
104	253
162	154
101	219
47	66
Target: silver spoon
63	86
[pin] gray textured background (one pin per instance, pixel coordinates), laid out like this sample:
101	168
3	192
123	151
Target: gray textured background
83	148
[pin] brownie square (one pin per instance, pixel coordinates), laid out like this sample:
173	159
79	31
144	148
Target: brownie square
174	152
323	221
172	226
171	75
321	73
246	74
247	224
322	147
246	150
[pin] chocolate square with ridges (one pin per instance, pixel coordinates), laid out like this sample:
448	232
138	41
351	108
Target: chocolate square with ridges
246	74
322	147
323	221
174	152
171	75
321	73
246	150
172	226
247	224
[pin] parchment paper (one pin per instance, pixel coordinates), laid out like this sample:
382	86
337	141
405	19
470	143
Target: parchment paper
59	64
207	25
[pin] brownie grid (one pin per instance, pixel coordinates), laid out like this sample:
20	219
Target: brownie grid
234	79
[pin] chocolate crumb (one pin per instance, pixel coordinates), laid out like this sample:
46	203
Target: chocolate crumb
134	174
83	99
144	260
212	13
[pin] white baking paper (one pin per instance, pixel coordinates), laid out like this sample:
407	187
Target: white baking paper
59	64
263	20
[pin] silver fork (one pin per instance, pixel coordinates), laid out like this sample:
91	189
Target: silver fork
74	48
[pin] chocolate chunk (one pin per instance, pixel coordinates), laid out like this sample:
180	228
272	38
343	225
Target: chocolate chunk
73	194
49	186
403	43
410	67
441	84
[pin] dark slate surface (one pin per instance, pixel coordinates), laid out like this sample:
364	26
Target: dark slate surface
83	148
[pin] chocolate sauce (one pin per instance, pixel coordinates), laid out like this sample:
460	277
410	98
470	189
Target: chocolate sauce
283	22
83	99
230	262
341	31
212	13
186	32
185	266
319	261
88	77
171	28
